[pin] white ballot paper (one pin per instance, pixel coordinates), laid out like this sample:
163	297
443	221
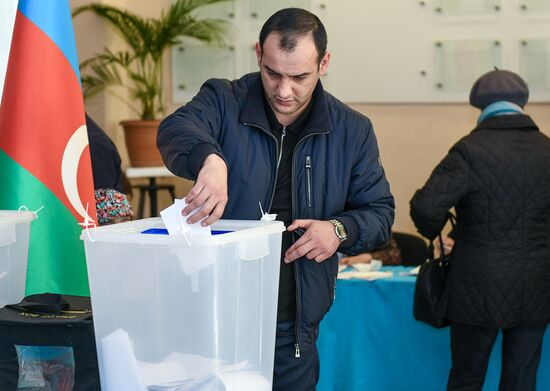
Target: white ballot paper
120	370
176	225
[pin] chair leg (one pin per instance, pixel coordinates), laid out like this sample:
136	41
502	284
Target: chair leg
172	192
141	202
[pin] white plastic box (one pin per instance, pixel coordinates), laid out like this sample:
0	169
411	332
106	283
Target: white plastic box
14	249
198	316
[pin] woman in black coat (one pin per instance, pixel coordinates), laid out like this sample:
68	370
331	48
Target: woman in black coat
498	180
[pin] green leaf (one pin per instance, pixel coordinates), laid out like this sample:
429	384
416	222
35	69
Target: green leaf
139	67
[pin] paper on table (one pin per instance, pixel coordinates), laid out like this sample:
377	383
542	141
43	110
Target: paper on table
414	272
370	276
373	266
175	223
120	370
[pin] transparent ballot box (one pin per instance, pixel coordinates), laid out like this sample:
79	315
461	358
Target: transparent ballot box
14	249
183	312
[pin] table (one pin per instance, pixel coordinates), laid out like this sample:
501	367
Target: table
152	173
370	341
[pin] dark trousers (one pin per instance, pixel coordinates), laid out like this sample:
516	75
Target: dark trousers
471	348
291	373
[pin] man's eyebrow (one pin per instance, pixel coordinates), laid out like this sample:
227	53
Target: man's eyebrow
277	73
271	70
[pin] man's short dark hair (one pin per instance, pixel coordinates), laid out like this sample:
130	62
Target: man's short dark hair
294	23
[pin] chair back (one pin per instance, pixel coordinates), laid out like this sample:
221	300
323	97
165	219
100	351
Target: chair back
414	250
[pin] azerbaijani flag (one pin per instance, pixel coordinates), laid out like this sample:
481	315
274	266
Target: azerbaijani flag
44	153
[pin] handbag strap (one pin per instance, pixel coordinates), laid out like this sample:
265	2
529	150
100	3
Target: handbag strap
444	259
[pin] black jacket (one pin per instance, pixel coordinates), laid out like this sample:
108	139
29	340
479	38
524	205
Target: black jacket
336	172
105	158
498	179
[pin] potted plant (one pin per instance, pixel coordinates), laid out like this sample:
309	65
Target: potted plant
138	68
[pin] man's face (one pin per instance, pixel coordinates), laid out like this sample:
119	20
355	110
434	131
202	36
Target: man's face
289	78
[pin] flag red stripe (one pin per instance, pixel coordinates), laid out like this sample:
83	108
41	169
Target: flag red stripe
41	108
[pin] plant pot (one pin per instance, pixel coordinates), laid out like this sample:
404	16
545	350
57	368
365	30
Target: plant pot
141	142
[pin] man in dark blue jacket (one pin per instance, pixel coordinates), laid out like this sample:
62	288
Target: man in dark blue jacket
277	138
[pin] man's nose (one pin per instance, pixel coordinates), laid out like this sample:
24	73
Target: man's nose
284	88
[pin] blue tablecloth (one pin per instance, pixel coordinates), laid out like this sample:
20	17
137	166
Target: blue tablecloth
369	341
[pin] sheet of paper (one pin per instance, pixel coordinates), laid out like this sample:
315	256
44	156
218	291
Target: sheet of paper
414	272
373	266
176	224
120	369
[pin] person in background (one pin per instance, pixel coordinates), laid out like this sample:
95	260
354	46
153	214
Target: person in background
112	207
389	255
498	180
276	137
110	183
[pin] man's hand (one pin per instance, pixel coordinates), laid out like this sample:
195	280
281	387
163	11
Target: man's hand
209	193
318	242
361	258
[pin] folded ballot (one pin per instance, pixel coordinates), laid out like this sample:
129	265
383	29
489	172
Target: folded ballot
176	223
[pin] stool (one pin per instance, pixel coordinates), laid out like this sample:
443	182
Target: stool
152	189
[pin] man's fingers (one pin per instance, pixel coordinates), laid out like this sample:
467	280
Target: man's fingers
207	199
204	211
215	215
197	189
194	199
317	255
299	224
298	250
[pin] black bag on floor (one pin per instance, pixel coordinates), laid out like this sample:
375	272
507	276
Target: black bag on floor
47	343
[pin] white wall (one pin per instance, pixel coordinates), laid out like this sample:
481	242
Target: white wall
413	138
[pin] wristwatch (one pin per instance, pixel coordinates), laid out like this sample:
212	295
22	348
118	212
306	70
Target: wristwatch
339	229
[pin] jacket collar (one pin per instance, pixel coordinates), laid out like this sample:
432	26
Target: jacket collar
253	110
504	122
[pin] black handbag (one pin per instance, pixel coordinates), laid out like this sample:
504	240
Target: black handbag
431	292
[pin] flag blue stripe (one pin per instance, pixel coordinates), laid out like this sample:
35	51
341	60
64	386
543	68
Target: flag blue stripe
53	17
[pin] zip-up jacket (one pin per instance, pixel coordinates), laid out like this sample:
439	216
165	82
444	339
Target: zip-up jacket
336	173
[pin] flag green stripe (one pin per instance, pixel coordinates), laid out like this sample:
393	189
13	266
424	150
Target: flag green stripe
56	260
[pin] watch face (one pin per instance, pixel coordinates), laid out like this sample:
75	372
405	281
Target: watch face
340	230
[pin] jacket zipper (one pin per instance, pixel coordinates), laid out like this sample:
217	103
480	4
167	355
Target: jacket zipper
298	320
283	134
308	181
278	154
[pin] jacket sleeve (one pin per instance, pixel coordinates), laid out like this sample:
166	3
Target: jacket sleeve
187	136
370	205
447	184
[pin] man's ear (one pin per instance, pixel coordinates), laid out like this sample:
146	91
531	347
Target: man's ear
258	53
323	65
